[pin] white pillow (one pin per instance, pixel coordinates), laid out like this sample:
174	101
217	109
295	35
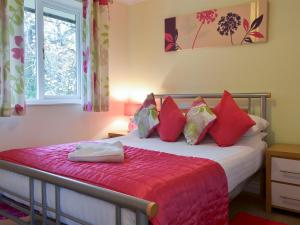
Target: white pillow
261	125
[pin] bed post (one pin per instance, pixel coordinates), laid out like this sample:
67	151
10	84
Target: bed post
44	203
161	102
141	218
57	205
263	107
118	215
31	196
249	105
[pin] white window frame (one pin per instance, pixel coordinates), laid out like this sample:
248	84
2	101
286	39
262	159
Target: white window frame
72	7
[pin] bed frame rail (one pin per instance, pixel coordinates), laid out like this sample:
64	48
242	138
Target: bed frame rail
263	96
144	209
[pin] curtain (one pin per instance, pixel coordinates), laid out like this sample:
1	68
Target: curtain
12	99
95	55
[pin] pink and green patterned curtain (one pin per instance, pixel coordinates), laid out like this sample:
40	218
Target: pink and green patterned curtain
95	55
12	98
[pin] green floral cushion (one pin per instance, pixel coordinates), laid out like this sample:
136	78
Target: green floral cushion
146	118
199	119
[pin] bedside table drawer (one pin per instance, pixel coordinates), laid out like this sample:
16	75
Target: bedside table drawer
286	196
285	170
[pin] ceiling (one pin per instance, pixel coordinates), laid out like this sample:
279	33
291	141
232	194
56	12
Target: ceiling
130	2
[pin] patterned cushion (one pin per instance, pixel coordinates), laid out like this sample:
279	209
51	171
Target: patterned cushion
199	119
146	118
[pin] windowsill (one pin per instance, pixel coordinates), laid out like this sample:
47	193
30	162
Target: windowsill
54	102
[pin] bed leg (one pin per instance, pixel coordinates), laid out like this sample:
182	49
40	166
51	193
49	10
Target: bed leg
141	219
57	205
31	194
118	215
44	203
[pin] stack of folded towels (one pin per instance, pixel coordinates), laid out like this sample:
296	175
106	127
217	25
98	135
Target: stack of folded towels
98	152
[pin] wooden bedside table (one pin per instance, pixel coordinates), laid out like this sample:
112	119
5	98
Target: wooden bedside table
117	134
283	177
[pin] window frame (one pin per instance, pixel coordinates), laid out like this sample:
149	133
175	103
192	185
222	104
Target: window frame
72	7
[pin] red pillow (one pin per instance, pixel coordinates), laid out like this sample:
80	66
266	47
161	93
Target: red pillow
172	121
232	122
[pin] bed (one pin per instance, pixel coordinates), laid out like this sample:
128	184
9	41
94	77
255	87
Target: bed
58	197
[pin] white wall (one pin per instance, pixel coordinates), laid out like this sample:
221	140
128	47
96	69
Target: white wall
45	125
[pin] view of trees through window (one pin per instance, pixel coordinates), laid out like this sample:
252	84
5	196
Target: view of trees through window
30	56
59	54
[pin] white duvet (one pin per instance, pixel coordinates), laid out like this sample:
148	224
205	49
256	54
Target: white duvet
239	162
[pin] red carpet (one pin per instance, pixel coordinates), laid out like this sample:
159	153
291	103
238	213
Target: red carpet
247	219
11	211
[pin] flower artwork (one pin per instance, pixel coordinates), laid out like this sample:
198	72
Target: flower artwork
251	30
229	24
238	25
208	16
171	35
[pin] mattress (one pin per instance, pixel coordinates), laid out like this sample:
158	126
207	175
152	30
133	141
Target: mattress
239	163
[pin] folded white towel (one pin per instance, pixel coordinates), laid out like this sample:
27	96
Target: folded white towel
98	152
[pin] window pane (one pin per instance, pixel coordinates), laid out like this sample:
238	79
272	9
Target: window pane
60	53
30	50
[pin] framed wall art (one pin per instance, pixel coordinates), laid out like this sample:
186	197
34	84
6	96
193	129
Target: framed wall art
237	25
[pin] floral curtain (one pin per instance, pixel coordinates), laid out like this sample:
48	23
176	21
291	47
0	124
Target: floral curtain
95	55
12	99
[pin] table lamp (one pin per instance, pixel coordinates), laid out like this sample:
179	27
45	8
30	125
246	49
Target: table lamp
130	109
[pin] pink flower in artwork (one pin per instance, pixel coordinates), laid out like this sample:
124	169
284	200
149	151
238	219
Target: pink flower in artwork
207	16
18	53
19	109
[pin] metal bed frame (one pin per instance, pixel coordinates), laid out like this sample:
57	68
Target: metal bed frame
143	209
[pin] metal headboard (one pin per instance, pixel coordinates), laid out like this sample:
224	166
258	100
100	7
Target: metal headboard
248	96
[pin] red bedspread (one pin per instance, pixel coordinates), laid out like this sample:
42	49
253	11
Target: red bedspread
189	191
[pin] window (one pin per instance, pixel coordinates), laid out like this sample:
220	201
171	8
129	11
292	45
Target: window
52	51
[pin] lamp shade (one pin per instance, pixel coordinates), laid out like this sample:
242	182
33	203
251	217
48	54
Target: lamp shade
130	108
